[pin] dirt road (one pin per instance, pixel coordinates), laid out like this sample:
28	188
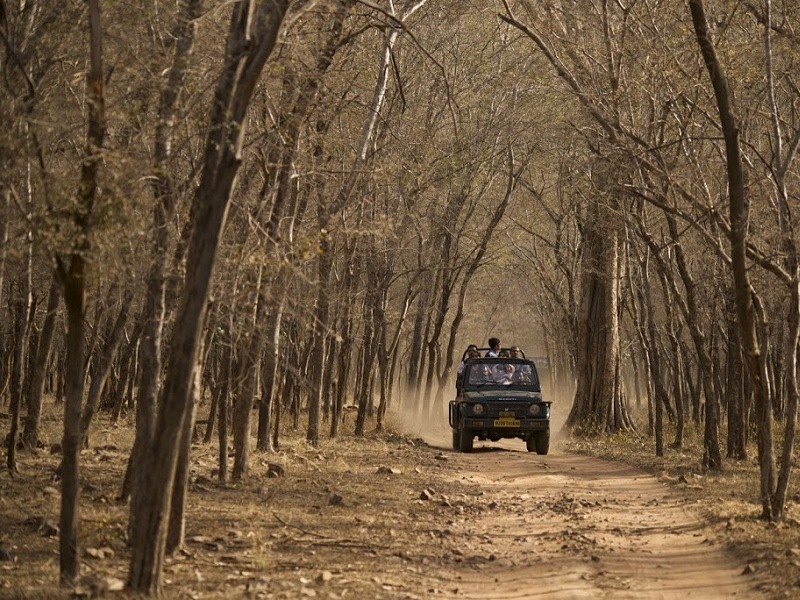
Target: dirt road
563	526
389	517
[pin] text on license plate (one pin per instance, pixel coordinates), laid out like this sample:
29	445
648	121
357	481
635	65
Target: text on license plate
505	422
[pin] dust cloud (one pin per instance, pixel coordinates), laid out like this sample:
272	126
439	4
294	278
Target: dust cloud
433	428
559	411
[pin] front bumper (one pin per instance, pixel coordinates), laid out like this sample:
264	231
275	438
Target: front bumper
489	426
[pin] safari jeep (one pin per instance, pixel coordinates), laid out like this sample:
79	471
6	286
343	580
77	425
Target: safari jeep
500	398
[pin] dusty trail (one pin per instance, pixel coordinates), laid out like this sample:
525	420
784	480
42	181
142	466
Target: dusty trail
564	526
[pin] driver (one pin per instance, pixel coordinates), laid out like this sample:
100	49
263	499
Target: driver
481	374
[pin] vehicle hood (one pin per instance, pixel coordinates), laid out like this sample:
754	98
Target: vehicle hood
502	396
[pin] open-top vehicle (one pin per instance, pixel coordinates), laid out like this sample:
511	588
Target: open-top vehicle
499	398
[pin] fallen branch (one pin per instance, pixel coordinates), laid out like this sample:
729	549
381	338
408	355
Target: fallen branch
328	541
319	535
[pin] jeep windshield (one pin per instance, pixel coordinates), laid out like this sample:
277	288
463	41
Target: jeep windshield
505	373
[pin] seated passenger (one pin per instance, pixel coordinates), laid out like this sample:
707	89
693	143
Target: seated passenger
471	352
505	375
481	374
522	374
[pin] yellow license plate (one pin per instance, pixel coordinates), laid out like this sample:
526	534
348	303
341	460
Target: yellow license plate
506	422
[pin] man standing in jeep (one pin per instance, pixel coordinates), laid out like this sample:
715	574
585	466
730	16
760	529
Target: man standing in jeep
494	348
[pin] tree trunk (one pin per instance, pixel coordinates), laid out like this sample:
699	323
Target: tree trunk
658	384
597	408
739	215
320	336
4	219
224	387
30	436
74	292
345	350
247	375
253	32
383	370
368	362
127	372
680	401
177	521
104	364
417	342
276	429
20	316
73	279
269	375
737	425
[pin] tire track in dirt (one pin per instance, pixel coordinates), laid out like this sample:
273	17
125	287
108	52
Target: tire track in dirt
565	526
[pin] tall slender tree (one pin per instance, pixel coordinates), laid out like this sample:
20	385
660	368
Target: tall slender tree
253	32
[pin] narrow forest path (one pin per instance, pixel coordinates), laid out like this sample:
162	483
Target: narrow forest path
565	526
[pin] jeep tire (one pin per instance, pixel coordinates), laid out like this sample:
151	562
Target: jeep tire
539	442
465	440
456	440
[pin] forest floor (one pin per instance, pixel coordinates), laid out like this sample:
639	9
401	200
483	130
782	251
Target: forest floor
400	515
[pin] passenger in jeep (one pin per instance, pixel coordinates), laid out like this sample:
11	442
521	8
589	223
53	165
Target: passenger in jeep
522	374
505	375
471	352
481	375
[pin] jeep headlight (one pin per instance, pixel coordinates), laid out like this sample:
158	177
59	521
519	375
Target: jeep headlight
535	409
477	409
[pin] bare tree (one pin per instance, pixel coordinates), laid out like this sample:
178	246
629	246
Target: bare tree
738	212
30	436
153	310
325	211
73	273
253	32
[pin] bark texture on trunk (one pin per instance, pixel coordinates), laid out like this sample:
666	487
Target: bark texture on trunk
598	406
73	279
254	30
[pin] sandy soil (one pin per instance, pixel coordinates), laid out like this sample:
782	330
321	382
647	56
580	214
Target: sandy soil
387	516
565	526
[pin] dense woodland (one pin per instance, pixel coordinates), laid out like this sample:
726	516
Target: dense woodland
267	211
